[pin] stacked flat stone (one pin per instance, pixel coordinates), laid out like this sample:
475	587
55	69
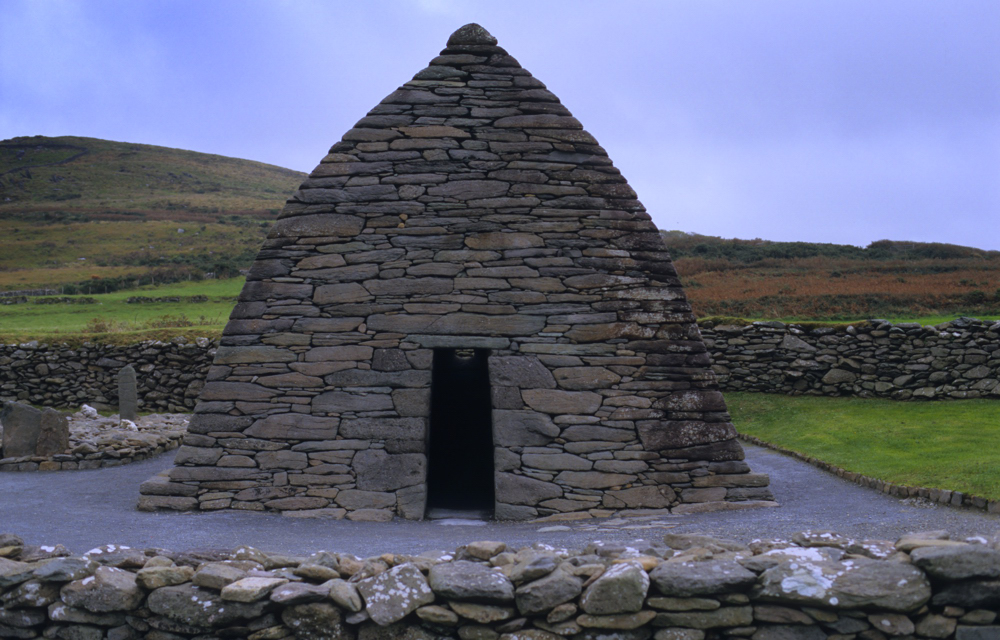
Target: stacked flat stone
469	210
959	359
59	375
819	586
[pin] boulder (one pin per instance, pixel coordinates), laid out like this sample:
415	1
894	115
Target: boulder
21	426
199	607
892	586
621	588
53	434
392	595
316	621
109	589
958	562
686	579
545	593
474	581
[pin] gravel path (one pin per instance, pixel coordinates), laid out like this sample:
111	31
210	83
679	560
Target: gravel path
84	509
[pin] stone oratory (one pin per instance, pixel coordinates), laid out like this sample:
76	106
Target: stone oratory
463	308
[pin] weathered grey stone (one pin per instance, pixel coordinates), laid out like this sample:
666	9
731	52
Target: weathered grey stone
977	633
593	479
482	613
293	593
526	372
316	621
621	588
294	426
545	593
53	434
672	434
63	570
216	575
556	401
788	632
128	400
345	595
250	589
201	607
341	401
620	621
647	497
687	579
21	425
381	471
323	225
522	428
887	585
155	577
935	626
463	580
517	489
108	589
393	594
839	376
958	562
971	594
31	594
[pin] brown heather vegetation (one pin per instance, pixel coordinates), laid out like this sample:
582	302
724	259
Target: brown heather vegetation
761	279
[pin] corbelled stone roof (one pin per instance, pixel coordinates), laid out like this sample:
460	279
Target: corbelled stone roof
469	209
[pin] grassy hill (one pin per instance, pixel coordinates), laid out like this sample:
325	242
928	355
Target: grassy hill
96	215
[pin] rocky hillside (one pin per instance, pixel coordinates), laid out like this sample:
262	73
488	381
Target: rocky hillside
105	180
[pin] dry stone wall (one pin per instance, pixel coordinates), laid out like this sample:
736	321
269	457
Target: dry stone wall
170	374
817	586
958	359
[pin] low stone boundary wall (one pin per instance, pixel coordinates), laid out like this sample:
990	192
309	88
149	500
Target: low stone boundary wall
958	359
98	442
688	587
170	374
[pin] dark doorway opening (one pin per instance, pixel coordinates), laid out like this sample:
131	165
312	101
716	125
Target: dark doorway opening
460	452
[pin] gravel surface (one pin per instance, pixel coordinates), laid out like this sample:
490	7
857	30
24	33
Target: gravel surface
84	509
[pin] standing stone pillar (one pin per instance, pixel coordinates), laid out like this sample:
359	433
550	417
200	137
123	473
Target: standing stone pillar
21	425
128	400
53	434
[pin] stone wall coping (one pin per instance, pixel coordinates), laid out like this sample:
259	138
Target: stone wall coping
683	587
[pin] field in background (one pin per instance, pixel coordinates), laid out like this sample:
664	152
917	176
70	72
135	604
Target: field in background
113	319
939	445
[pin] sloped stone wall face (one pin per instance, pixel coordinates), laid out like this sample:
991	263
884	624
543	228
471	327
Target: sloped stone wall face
688	587
170	374
958	359
468	210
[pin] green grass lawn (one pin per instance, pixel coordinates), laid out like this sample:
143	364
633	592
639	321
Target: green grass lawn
73	322
940	445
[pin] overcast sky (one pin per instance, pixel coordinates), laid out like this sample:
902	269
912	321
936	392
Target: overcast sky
843	121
